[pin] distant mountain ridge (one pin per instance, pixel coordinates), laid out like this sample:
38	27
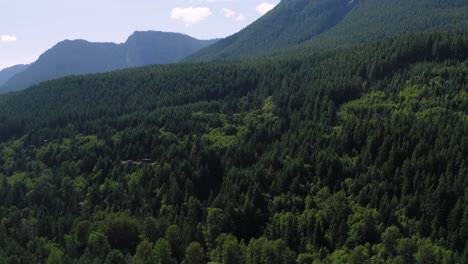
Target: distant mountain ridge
172	47
9	72
293	25
328	24
73	57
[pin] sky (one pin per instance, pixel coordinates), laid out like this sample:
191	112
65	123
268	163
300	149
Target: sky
30	27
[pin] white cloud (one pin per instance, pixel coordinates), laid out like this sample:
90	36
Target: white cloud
264	8
228	12
7	38
191	15
240	17
232	14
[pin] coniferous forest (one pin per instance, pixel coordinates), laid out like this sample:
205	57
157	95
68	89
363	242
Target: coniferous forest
356	155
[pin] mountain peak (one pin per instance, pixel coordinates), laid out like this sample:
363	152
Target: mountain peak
71	57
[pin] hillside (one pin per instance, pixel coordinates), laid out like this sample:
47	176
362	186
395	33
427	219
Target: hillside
352	156
9	72
289	23
73	57
318	25
378	19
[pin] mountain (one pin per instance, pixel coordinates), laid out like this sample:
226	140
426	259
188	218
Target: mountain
327	24
289	23
69	57
7	73
146	48
356	155
377	19
72	57
350	146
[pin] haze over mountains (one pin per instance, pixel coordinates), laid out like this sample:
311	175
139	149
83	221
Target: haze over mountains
72	57
9	72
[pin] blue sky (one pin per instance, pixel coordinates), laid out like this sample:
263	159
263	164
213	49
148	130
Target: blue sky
30	27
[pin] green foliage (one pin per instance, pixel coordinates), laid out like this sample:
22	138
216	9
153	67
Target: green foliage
265	251
359	254
144	253
55	257
122	233
174	237
163	252
377	19
194	254
291	22
351	156
313	25
232	251
115	257
98	244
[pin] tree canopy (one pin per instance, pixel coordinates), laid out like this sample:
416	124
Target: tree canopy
355	156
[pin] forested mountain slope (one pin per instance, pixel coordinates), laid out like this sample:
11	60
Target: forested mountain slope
377	19
290	23
328	24
354	156
82	57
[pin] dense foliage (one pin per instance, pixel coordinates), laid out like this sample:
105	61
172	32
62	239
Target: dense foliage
354	156
377	19
290	23
330	24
